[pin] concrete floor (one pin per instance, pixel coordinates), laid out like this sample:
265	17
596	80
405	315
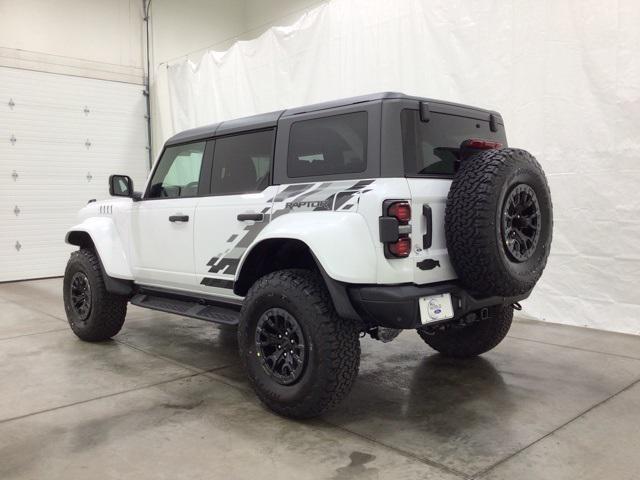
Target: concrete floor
166	399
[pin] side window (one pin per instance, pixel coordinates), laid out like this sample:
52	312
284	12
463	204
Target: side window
178	172
242	163
328	145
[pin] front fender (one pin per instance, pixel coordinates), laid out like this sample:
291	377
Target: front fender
340	241
106	240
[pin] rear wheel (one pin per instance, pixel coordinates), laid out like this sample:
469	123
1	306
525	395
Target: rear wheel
94	314
301	358
470	340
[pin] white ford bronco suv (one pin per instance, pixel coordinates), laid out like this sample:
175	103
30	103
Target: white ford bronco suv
311	226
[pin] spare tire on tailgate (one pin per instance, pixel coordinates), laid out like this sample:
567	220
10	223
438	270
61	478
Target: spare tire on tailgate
499	222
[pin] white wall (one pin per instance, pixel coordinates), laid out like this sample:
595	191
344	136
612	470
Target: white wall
93	38
185	29
565	76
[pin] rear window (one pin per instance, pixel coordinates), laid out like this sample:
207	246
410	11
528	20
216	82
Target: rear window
328	145
433	147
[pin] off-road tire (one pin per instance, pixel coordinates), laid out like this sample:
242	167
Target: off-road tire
333	346
473	222
107	312
472	339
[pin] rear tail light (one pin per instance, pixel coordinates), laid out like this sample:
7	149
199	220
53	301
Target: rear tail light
400	210
480	144
401	248
395	228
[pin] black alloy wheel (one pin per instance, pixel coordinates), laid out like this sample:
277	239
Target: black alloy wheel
280	345
80	293
521	222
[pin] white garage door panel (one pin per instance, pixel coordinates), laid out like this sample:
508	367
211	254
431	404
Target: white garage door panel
70	134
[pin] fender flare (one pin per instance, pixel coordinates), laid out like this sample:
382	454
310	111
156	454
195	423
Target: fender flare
106	240
353	262
340	242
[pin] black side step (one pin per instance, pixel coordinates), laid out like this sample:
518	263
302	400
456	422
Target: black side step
187	308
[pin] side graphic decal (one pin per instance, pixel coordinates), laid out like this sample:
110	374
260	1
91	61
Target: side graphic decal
300	197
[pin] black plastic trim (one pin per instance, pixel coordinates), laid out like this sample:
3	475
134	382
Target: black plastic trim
427	238
339	295
389	229
256	217
396	306
117	286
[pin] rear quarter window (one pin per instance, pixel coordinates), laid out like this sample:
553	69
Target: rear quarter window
328	146
433	148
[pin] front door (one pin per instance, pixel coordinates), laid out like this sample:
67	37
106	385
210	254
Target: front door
236	210
162	223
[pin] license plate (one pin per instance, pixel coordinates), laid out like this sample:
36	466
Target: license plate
435	308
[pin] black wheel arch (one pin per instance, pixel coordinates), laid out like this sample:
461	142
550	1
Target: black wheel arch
117	286
274	254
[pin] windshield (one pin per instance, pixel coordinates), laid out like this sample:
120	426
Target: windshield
433	148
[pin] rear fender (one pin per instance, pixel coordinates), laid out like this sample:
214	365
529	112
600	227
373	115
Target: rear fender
340	242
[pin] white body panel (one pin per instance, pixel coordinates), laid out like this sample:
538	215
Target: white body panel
340	241
219	233
338	221
107	223
161	250
432	192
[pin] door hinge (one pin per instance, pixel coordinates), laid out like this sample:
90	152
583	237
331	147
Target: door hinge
16	210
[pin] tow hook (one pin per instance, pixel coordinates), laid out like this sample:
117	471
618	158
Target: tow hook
517	306
384	334
484	313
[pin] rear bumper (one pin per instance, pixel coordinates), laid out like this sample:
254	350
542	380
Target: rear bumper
396	306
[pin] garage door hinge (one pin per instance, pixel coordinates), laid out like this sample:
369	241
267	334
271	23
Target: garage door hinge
87	143
16	210
86	110
18	246
13	139
89	176
15	175
11	103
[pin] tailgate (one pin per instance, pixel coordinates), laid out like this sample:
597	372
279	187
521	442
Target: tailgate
430	257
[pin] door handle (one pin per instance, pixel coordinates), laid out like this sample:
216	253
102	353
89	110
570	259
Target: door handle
256	217
179	218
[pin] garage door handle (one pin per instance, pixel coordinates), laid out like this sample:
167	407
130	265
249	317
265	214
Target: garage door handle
256	217
179	218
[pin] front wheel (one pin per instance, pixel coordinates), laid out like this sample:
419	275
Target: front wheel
473	339
301	358
94	314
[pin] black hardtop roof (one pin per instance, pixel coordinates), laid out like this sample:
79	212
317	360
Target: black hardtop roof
270	119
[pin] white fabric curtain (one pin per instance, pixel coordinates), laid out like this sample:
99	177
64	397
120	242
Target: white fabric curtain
564	74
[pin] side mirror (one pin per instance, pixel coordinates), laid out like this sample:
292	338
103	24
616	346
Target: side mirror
122	186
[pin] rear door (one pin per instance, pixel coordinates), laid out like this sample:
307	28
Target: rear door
431	154
236	209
